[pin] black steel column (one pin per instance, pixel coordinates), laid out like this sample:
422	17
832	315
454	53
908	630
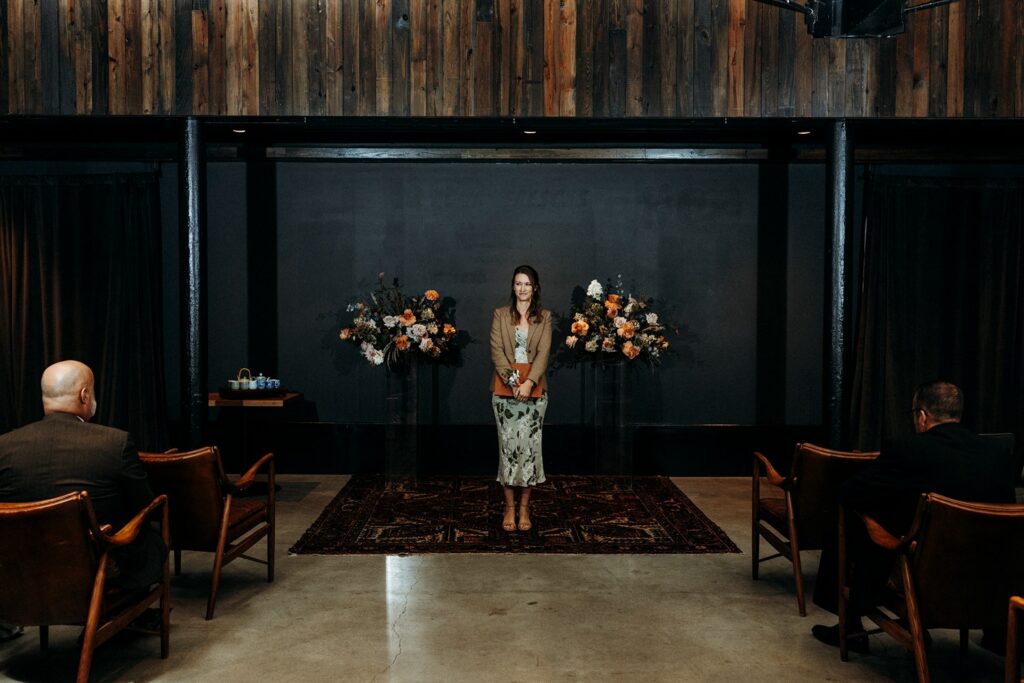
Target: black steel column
837	281
192	224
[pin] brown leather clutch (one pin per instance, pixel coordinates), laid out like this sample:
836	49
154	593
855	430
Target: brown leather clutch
502	389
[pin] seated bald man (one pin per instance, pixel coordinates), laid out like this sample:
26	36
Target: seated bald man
63	453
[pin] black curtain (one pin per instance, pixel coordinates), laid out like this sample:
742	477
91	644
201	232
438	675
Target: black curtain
942	297
80	279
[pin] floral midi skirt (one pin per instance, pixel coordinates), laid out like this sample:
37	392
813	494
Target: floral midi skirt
520	423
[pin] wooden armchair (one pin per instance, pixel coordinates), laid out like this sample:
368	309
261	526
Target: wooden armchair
206	514
806	512
958	565
56	568
1012	640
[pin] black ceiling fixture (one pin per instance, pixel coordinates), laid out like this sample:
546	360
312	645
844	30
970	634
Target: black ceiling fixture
855	18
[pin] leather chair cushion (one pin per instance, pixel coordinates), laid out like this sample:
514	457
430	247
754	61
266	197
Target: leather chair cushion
773	512
245	514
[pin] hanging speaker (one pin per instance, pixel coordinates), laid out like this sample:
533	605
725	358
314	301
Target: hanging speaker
855	18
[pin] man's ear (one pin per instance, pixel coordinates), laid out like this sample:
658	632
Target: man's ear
83	396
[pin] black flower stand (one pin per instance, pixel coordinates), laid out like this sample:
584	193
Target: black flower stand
401	408
611	402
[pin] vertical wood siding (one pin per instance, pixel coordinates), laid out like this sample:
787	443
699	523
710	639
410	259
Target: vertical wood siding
564	58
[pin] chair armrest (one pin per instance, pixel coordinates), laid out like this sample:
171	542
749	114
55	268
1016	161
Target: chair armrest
243	482
770	472
130	531
170	450
881	537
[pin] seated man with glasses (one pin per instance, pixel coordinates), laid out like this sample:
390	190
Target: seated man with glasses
942	456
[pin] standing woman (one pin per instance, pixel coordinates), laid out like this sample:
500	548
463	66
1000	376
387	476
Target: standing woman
520	333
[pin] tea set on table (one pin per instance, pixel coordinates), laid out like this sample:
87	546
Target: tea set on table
245	381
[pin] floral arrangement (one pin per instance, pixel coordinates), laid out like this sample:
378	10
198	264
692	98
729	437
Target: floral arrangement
392	329
612	326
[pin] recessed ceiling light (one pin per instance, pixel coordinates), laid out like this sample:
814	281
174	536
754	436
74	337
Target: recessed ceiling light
529	132
238	130
803	132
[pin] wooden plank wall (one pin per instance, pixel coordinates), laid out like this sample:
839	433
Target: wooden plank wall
571	58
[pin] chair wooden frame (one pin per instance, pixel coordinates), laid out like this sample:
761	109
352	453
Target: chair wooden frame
908	627
1012	638
92	567
787	541
230	541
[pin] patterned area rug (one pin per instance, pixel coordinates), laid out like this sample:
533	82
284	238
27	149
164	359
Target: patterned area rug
570	513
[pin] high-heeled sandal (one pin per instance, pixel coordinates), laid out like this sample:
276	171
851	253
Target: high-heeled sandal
507	525
524	518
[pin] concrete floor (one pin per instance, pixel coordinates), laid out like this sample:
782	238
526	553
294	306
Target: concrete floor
494	617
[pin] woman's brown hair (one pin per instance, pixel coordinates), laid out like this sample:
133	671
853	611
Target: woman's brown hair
533	314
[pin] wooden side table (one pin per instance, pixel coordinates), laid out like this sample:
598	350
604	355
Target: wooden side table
214	400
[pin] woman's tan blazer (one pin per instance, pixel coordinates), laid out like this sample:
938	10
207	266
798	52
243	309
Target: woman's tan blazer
503	343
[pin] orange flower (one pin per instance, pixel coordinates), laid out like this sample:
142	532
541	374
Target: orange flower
613	299
662	343
630	350
627	330
346	333
432	295
408	319
449	330
613	309
401	342
580	328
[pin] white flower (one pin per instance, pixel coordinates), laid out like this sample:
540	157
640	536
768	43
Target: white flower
378	357
390	321
595	290
591	345
371	353
418	330
571	340
652	318
426	344
619	322
432	328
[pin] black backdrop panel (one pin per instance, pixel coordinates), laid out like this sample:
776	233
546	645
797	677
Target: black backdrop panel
684	234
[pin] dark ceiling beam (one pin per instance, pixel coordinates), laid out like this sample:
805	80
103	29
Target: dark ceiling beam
155	137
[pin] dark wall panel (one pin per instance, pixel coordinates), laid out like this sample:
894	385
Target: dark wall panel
683	234
806	298
227	259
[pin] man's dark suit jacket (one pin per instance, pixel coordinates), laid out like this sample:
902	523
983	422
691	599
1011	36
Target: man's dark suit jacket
948	459
61	454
